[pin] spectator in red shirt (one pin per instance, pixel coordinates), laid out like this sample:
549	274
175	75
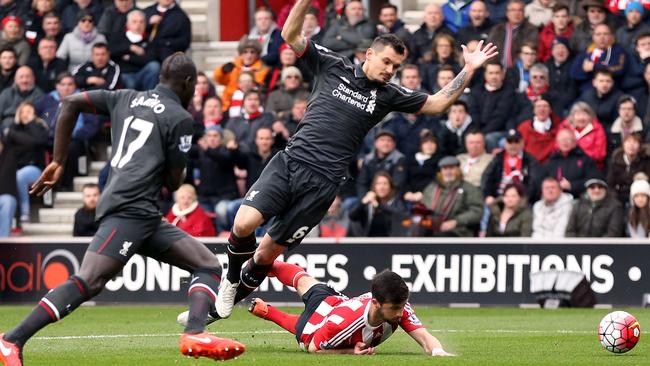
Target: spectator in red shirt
559	26
540	131
188	215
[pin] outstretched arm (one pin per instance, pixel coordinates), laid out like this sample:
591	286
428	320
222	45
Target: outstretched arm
430	344
440	101
70	108
292	30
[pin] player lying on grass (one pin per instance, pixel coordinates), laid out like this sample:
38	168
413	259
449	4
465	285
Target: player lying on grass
334	323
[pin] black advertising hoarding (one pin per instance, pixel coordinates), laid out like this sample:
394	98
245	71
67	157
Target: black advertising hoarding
485	271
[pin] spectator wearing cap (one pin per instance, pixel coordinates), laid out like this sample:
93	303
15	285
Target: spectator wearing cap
539	12
512	34
479	25
551	213
510	215
512	165
407	126
77	45
474	162
380	211
384	157
456	14
454	130
113	20
444	52
8	67
168	27
288	58
344	35
216	183
602	54
390	23
98	73
46	65
589	132
595	214
252	118
281	100
560	81
634	25
596	14
633	81
422	166
603	97
434	24
638	220
133	54
491	105
455	205
627	122
70	14
560	25
267	33
247	60
539	132
12	36
569	165
631	158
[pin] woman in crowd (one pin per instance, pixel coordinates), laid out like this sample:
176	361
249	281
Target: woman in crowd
380	211
443	53
203	90
188	215
638	225
590	134
625	163
423	166
510	215
28	138
287	58
12	36
77	45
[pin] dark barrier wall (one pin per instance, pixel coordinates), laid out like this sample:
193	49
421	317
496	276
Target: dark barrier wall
485	271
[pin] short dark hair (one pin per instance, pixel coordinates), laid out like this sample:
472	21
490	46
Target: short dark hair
177	66
641	35
389	288
387	6
517	187
493	63
89	185
462	103
559	7
51	14
626	98
389	40
551	179
63	75
48	39
8	49
603	71
100	45
251	92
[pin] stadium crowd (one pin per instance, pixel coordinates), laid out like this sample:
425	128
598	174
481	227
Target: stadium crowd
550	140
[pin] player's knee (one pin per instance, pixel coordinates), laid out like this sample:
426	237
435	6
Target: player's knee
95	284
243	227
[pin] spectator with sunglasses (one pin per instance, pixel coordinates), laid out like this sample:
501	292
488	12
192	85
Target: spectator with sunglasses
77	45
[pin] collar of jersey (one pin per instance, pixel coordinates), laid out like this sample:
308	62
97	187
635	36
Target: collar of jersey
161	89
359	74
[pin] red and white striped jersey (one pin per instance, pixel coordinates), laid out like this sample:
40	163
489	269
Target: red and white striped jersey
339	322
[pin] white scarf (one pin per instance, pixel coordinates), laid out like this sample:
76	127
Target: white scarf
134	37
542	126
182	214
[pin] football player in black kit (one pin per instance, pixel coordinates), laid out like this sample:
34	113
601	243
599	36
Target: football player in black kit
151	133
299	183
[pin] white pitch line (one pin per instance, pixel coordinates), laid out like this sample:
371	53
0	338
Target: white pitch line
155	335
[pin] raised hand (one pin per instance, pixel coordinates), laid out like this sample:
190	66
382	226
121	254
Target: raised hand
476	59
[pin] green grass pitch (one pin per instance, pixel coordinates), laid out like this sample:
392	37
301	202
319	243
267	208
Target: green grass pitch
148	335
